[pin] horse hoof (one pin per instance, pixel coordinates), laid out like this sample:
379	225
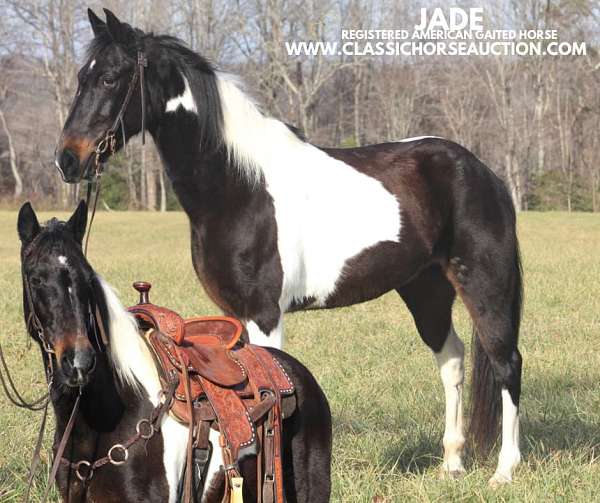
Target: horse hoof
456	474
499	480
452	474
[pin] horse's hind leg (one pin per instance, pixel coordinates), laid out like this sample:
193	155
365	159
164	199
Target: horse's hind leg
488	279
429	298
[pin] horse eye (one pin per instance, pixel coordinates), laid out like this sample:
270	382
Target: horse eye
109	81
35	281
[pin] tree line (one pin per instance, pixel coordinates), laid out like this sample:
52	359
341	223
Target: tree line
535	120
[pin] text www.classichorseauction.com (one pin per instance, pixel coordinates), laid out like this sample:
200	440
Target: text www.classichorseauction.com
459	33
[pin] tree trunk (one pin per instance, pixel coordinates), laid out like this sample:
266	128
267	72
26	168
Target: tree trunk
151	185
12	155
133	202
163	190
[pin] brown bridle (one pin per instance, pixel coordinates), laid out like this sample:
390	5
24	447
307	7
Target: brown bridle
108	143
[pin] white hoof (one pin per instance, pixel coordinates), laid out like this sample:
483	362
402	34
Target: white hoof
499	479
453	468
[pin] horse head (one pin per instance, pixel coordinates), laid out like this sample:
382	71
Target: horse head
62	297
132	82
104	101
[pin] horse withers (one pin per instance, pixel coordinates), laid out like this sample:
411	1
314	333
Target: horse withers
95	354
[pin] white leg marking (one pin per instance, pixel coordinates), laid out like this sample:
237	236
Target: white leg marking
510	454
272	340
175	438
450	361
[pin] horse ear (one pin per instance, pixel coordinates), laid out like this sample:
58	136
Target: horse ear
119	32
27	223
97	24
78	222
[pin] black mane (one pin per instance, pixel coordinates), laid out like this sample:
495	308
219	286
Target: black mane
168	56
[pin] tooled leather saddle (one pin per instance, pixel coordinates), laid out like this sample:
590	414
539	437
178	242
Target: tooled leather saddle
217	381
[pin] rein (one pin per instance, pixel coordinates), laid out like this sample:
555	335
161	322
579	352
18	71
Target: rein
106	144
15	397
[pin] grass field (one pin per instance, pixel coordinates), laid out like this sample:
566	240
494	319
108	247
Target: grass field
381	380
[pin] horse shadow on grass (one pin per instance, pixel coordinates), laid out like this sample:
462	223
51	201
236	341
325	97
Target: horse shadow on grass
561	424
414	452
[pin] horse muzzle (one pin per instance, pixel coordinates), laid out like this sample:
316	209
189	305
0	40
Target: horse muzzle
73	159
77	367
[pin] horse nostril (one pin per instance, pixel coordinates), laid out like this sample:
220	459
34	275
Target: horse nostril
77	366
68	164
88	364
66	362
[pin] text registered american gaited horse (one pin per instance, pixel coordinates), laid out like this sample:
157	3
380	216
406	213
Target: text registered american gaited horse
121	424
278	224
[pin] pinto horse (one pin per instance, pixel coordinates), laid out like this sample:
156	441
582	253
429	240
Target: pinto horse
118	385
278	224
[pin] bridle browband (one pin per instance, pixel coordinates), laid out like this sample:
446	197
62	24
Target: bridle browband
108	143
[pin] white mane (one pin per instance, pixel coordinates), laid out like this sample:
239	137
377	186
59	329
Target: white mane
254	141
130	355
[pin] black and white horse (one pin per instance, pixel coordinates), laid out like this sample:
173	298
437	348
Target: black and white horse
120	386
278	224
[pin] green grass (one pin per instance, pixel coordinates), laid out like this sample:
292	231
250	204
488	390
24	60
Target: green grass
381	380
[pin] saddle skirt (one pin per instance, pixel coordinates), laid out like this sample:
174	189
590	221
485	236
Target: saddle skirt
240	389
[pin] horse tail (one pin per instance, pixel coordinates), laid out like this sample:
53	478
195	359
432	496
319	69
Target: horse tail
485	387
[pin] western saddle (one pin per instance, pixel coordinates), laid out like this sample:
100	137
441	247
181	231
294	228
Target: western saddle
217	381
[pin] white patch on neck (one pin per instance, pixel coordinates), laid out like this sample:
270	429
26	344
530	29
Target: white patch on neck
417	138
326	211
92	65
134	365
185	100
62	260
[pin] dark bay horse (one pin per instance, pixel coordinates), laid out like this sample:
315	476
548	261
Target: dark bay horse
278	224
119	386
